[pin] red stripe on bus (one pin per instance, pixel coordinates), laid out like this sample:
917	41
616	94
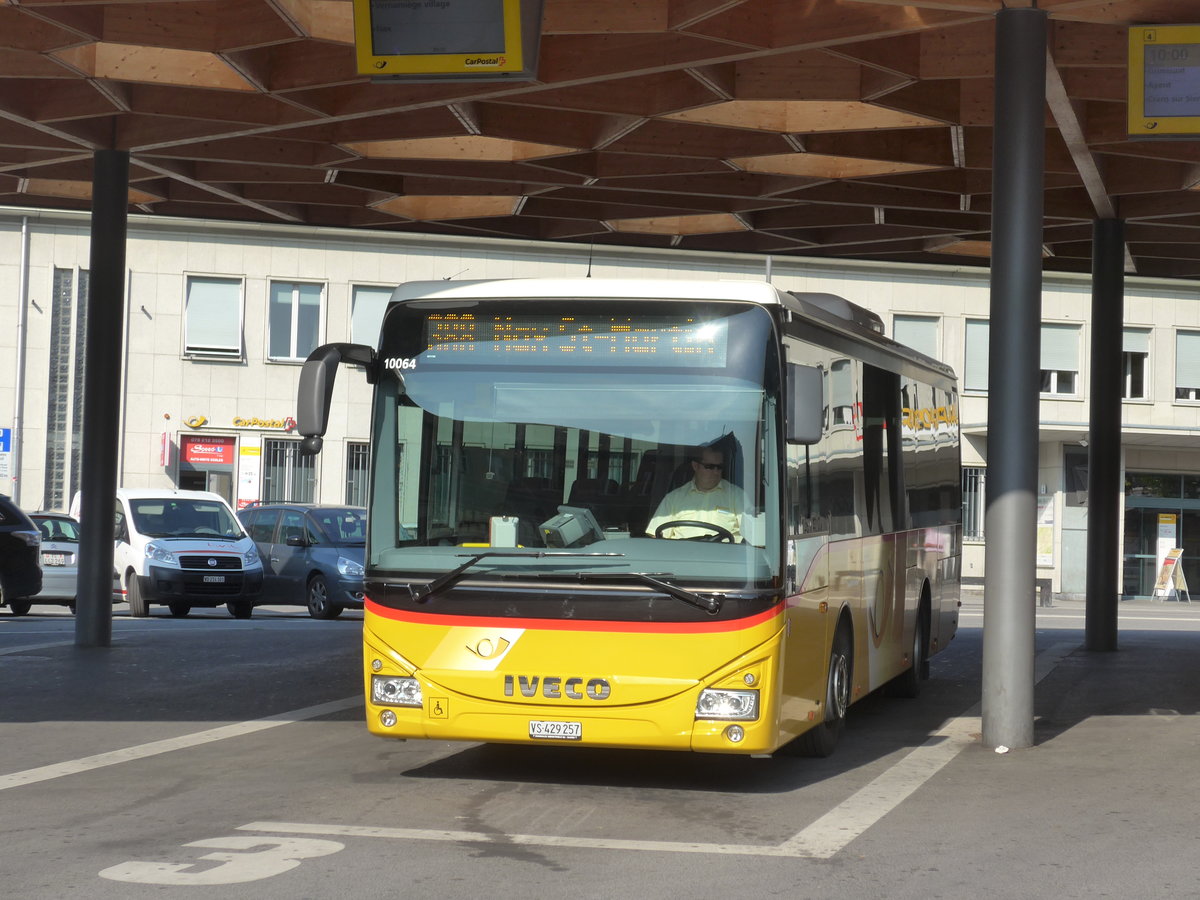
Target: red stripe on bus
420	618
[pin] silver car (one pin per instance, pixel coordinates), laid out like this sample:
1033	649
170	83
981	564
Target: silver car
60	558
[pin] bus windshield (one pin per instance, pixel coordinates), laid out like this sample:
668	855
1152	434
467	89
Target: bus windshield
557	427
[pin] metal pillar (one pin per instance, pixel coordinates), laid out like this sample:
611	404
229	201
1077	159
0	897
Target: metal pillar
102	397
1104	435
1014	378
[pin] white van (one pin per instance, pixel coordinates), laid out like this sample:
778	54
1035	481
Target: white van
184	549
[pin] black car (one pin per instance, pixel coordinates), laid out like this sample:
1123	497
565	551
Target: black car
20	564
311	555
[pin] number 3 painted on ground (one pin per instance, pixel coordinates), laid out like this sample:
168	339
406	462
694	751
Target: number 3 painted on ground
263	858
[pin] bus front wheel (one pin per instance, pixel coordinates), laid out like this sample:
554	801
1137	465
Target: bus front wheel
820	740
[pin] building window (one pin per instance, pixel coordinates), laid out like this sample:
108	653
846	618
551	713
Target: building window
974	498
918	332
288	475
975	367
1060	359
213	317
368	304
1075	476
357	459
841	393
64	388
293	320
1135	356
1187	365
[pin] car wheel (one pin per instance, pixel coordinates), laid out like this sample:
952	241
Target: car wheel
139	606
179	610
319	604
243	609
20	607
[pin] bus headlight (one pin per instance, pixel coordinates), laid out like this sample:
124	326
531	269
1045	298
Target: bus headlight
394	690
741	706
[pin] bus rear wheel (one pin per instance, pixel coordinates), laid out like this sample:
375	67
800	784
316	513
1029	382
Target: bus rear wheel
908	682
821	740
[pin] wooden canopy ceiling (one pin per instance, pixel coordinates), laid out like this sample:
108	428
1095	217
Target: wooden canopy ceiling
842	128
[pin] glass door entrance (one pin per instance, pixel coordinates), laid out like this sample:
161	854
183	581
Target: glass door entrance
1146	497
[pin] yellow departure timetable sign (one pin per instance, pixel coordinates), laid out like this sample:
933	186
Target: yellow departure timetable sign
448	40
1164	81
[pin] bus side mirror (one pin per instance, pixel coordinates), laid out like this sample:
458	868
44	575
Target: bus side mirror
805	404
315	394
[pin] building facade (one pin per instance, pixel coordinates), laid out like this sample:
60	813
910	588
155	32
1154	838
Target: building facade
219	316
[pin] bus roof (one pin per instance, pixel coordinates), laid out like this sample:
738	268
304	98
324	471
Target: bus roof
593	288
829	309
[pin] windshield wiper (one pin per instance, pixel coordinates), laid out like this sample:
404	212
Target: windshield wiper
710	604
422	593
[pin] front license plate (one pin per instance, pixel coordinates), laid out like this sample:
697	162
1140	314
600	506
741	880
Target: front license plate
54	559
556	731
214	579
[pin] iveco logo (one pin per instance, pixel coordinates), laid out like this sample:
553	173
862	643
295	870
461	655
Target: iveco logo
212	563
556	687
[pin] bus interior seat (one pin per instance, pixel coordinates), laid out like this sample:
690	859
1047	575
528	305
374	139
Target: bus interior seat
532	500
601	496
659	472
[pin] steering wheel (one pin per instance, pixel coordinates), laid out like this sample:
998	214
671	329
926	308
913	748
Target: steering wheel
718	533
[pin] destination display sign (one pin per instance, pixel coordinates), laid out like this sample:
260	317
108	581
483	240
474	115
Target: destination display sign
459	338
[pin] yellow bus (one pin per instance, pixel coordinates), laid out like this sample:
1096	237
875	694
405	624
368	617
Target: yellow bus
526	581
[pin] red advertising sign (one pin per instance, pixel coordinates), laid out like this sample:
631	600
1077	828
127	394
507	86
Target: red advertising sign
208	449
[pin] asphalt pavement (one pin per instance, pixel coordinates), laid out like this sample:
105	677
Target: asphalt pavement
210	757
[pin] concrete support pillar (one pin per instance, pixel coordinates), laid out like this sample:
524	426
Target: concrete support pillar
1104	435
102	397
1014	379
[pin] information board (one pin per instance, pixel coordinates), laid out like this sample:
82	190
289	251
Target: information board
1164	81
448	40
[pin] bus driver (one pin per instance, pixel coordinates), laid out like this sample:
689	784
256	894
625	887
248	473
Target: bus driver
708	497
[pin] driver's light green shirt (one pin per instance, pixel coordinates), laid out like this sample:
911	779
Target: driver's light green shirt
724	505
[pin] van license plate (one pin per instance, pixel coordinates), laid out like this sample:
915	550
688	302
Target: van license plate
556	731
214	579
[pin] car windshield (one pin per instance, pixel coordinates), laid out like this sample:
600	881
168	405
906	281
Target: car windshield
184	518
60	530
343	526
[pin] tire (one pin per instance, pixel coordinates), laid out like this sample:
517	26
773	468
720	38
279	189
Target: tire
139	606
908	683
242	609
20	607
821	740
179	610
319	604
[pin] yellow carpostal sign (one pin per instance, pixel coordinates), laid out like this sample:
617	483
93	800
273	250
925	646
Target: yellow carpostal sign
1164	81
447	40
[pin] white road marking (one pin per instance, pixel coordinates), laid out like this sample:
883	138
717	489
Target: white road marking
25	647
154	748
822	839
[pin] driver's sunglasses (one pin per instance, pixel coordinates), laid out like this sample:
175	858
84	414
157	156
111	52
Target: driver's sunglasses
712	467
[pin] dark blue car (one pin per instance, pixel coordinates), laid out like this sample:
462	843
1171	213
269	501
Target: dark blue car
310	554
